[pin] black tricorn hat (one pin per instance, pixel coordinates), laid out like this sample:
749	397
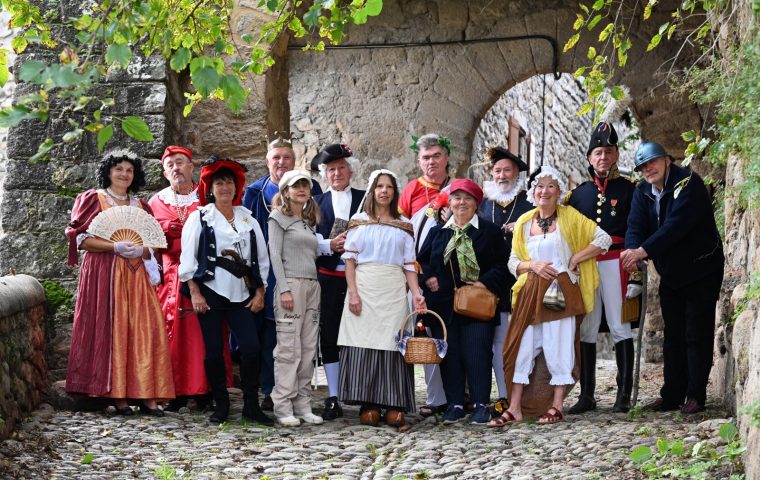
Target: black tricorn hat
604	135
495	154
333	151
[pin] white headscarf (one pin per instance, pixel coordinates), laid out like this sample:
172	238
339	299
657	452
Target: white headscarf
550	172
372	177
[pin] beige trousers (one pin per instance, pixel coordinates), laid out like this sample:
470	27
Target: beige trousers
296	346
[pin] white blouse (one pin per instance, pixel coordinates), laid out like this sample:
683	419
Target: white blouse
224	283
378	243
562	252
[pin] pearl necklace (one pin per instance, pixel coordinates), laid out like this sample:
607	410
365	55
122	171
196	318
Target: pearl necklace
181	211
116	196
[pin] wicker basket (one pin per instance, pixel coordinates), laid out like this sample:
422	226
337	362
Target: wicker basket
421	350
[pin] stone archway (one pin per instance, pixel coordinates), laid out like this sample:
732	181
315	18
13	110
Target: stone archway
374	99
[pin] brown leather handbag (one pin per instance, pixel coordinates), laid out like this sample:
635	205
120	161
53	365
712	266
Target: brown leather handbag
474	302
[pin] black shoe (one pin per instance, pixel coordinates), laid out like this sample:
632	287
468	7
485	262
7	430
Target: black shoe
660	405
216	375
249	383
586	400
252	412
153	412
125	411
267	404
624	358
332	409
692	406
176	404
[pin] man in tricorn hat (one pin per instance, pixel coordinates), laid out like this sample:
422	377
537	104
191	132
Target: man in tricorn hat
258	199
504	203
672	223
337	164
606	199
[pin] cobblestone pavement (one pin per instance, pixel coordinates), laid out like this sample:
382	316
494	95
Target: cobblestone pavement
101	445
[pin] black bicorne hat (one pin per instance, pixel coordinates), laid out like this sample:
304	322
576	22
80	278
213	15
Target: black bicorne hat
495	154
604	135
333	151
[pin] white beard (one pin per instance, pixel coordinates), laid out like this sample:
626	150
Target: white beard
493	192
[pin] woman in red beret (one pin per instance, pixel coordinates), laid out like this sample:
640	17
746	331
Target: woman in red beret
466	250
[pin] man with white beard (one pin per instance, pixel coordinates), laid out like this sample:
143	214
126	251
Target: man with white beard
504	202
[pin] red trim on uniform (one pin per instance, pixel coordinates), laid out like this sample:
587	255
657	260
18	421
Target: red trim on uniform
332	273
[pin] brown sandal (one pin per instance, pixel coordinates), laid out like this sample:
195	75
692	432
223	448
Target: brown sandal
550	418
502	420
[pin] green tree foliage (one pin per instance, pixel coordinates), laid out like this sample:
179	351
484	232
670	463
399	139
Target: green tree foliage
190	34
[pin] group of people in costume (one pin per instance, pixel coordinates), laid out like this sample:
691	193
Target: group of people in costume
297	277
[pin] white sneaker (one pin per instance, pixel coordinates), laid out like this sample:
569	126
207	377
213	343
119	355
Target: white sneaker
289	421
311	418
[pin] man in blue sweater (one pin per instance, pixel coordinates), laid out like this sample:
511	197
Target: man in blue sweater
672	223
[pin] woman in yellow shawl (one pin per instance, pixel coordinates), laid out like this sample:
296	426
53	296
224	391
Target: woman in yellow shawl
551	243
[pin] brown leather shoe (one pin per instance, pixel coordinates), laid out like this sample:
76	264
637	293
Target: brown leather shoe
692	406
659	405
395	418
370	416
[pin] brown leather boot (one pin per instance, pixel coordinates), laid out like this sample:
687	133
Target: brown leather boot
369	416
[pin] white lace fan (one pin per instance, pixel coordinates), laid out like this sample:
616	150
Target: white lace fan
128	224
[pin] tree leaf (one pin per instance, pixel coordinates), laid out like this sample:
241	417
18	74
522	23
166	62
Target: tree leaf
571	42
654	42
19	44
234	93
118	53
205	80
104	135
31	71
88	458
136	128
579	21
617	93
42	150
180	59
606	32
311	17
585	108
374	7
580	72
689	136
594	21
591	53
598	5
640	454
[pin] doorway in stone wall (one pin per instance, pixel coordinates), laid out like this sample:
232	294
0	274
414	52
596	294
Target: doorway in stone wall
537	119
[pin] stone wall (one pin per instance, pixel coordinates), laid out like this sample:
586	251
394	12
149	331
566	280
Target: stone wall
375	99
23	372
735	376
6	95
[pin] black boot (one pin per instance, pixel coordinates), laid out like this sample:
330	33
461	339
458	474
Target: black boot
216	375
624	357
249	379
586	400
176	403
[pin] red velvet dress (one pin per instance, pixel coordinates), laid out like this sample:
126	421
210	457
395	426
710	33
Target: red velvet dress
119	348
185	338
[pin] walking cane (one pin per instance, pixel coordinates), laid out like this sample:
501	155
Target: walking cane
642	316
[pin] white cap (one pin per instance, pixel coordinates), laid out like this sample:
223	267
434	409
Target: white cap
292	176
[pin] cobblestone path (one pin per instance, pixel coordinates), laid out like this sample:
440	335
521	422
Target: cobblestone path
73	445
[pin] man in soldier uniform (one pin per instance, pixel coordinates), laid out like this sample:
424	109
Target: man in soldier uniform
258	198
336	163
505	200
606	199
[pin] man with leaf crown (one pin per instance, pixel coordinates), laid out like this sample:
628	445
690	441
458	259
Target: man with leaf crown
258	198
421	201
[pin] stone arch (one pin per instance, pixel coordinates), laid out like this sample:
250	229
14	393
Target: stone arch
375	99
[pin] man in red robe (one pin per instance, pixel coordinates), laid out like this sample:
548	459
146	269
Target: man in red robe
171	207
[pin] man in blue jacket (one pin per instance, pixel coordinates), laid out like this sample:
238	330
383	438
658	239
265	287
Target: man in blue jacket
258	198
672	223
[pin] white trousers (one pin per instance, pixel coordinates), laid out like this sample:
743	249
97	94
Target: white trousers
556	339
435	394
499	335
607	295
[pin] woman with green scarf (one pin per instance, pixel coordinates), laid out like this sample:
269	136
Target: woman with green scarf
467	249
553	246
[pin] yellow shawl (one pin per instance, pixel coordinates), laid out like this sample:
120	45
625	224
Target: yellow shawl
578	232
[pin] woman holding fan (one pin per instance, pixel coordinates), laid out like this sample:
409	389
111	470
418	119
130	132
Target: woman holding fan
119	347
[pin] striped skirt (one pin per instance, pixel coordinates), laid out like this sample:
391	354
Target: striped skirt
377	377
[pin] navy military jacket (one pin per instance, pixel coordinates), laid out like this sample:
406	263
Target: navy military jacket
683	241
326	220
500	215
610	209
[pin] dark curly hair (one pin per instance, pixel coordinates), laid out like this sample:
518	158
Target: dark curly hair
114	157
